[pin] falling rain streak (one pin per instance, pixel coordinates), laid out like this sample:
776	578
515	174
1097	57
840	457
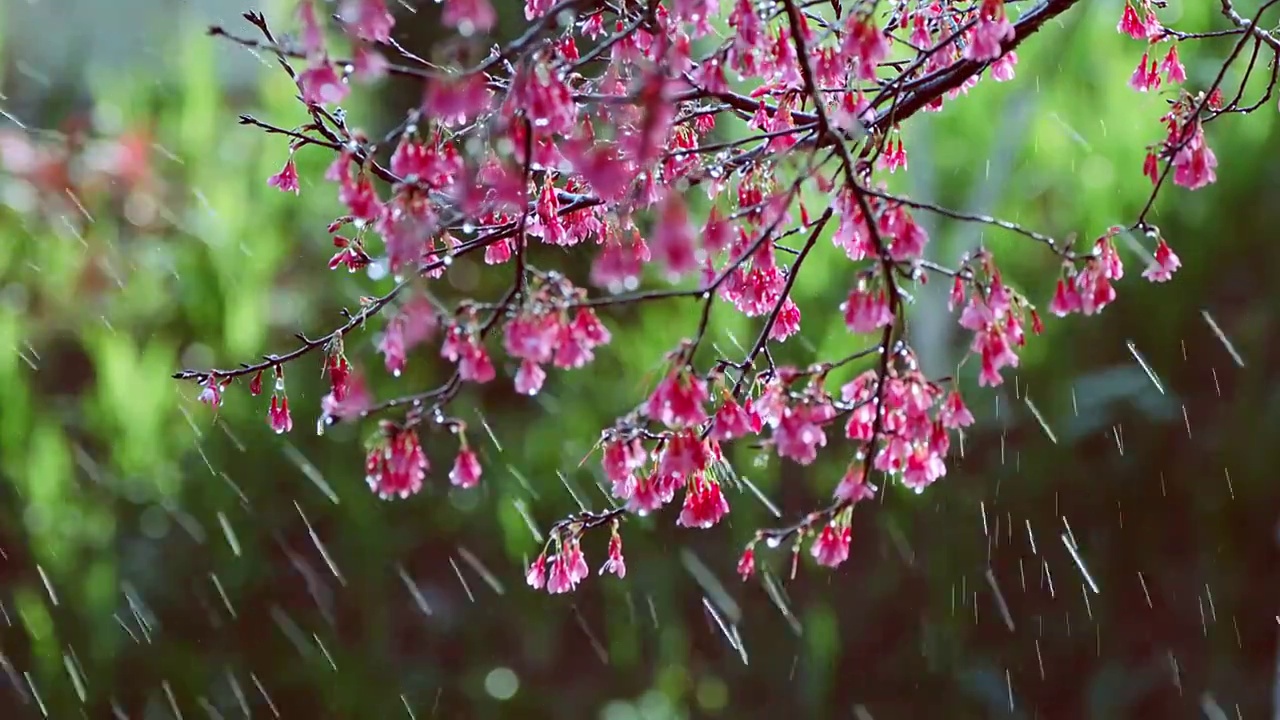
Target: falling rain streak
77	679
730	632
1075	555
777	595
1222	337
1133	350
309	470
229	533
465	587
1035	412
591	637
414	592
1000	601
263	691
36	694
315	540
489	578
48	585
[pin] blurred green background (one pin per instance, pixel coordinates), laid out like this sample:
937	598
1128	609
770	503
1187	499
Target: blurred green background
156	560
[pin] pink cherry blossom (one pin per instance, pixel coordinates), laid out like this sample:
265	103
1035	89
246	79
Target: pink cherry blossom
580	175
396	464
704	503
616	564
321	85
1166	262
831	548
991	31
747	563
287	179
278	416
466	469
469	16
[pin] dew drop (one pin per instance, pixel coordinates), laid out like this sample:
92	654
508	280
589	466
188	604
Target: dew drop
773	541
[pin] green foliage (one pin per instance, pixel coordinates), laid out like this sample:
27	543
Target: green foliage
98	442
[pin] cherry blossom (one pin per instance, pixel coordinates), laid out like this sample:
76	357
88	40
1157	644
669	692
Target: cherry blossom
287	179
581	169
466	469
832	546
1164	264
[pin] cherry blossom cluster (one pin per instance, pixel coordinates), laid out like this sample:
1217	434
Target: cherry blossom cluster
597	132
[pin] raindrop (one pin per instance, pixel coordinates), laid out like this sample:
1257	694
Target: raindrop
1222	337
173	701
315	539
76	680
229	533
412	587
485	574
48	586
586	630
1075	555
458	571
310	470
325	651
258	683
217	584
36	694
